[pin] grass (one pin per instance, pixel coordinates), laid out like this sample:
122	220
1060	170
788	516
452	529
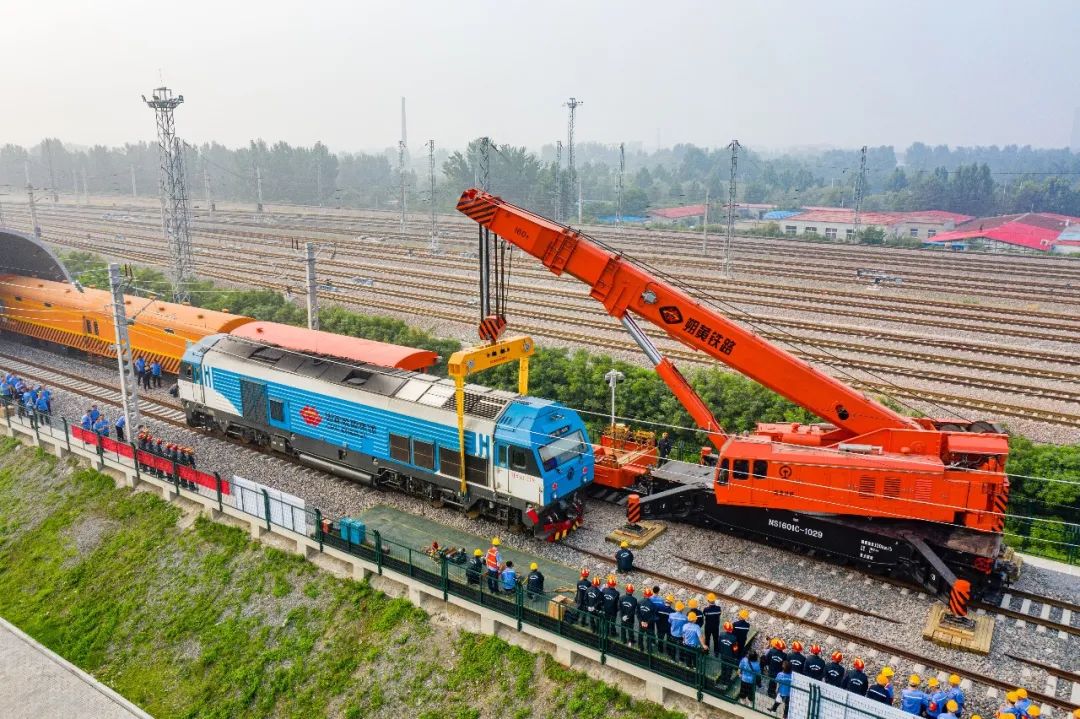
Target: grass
205	622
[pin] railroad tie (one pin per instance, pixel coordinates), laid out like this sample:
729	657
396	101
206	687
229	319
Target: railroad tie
768	598
824	616
1074	695
1044	615
730	591
786	604
801	614
750	594
716	582
1006	600
1025	607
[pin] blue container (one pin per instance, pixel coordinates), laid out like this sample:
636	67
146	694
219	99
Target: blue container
343	527
357	531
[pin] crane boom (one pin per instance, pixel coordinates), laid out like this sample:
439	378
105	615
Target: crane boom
623	286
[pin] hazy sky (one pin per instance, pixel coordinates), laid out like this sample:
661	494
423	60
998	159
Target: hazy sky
775	74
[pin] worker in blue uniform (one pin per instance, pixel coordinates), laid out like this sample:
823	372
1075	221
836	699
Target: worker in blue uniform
783	687
675	625
119	425
914	700
815	665
624	558
628	606
42	407
86	423
951	707
646	626
1022	702
102	426
140	370
749	677
155	373
938	696
693	640
582	605
955	693
508	577
773	661
95	413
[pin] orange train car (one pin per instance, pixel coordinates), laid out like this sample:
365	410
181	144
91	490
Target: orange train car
63	314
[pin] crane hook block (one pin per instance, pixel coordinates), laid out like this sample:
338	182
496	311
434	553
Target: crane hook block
491	327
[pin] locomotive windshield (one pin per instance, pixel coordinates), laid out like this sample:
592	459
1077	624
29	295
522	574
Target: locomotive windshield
562	450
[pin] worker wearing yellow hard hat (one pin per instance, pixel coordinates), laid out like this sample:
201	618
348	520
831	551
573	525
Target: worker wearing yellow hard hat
624	559
914	700
534	582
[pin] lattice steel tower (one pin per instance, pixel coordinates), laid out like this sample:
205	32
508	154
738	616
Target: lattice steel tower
174	199
728	266
571	175
860	188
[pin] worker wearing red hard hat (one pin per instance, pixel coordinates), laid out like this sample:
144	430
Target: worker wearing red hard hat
628	606
856	680
797	658
834	670
582	587
728	650
815	665
773	662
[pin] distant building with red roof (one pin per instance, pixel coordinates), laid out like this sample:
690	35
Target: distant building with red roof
1026	232
674	214
838	223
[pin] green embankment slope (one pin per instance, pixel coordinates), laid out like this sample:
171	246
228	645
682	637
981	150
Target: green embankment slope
202	621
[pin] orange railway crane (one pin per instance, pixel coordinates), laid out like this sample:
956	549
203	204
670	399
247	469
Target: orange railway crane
913	497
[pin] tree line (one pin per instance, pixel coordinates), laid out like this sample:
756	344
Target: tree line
971	180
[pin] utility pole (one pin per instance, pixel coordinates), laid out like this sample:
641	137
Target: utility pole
258	190
580	200
860	183
431	179
558	181
30	194
570	168
622	172
729	269
401	178
312	288
134	187
52	175
404	135
173	190
705	225
128	388
485	163
85	188
206	191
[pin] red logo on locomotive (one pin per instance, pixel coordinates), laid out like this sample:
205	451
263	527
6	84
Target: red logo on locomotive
311	416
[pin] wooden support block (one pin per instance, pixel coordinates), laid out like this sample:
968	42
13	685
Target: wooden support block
638	535
975	638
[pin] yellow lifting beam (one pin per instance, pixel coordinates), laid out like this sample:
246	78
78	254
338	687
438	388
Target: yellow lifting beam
477	359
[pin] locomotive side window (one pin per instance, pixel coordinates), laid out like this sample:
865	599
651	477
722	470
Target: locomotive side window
502	455
423	454
399	448
449	462
277	408
741	468
761	469
89	327
96	328
476	470
517	459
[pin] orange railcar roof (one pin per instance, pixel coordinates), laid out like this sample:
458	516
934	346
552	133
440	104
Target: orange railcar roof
179	318
356	349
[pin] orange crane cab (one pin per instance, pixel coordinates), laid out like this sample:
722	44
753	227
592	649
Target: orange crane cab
919	497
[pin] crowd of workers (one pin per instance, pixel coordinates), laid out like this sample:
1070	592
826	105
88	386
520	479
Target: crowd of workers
686	630
32	402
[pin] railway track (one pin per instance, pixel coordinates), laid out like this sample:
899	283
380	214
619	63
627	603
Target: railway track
834	630
848	303
97	391
1041	618
773	264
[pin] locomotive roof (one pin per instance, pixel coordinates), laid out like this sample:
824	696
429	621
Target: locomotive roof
481	402
355	349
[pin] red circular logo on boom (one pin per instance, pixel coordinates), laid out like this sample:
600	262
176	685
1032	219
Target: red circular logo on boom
311	416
